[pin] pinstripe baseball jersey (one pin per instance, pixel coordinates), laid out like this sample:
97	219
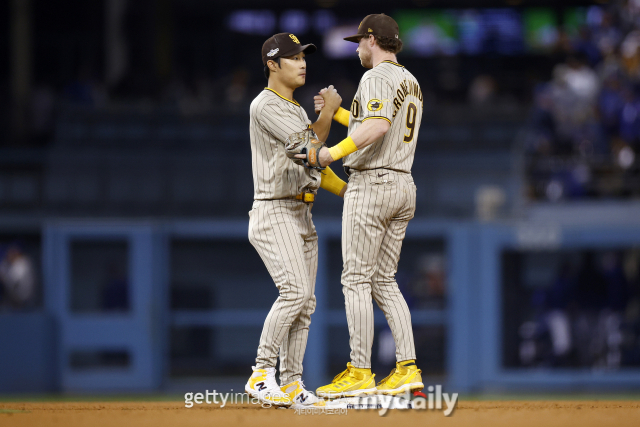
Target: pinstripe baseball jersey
387	92
272	119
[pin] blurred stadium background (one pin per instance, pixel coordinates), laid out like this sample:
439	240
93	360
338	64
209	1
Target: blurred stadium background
125	182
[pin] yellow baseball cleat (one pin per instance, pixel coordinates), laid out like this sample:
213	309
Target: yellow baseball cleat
404	378
351	382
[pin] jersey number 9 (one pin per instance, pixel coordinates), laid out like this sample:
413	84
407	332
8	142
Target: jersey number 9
411	122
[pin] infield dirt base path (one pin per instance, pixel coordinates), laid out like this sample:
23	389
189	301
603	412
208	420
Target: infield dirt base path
161	414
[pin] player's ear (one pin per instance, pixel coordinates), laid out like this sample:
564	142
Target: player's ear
272	65
372	40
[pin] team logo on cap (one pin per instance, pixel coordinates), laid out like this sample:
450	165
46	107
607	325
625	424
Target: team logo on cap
370	30
374	105
294	38
273	52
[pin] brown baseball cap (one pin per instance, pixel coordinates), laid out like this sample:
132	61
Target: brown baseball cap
284	44
378	25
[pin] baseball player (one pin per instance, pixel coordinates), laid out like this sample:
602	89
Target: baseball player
383	126
280	225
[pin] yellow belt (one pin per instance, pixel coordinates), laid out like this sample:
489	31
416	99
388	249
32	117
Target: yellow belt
306	197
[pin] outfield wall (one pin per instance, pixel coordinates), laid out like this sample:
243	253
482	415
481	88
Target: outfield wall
75	345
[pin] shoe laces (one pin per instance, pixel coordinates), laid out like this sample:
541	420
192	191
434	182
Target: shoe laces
340	375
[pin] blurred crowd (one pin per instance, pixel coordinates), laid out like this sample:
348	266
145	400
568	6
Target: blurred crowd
198	94
586	121
588	316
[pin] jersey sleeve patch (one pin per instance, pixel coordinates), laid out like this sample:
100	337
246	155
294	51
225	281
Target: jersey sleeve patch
374	105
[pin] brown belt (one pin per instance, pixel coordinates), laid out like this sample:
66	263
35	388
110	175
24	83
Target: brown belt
349	170
306	197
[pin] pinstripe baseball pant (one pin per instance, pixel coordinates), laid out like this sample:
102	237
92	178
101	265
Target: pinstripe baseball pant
283	233
378	205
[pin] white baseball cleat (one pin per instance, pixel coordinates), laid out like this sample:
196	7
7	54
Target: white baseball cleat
299	395
262	385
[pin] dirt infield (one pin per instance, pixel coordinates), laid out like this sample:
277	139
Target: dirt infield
160	414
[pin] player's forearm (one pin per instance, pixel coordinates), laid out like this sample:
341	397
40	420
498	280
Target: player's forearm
322	126
369	132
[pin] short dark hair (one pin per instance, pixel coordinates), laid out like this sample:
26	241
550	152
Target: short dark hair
266	67
389	44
